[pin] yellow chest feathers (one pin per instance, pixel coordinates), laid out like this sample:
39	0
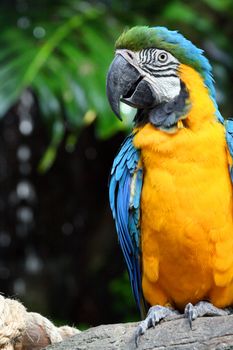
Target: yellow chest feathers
186	212
186	206
186	174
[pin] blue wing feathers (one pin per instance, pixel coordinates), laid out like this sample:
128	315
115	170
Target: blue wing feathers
229	137
138	187
126	182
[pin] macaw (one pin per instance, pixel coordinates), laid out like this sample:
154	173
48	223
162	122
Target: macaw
171	182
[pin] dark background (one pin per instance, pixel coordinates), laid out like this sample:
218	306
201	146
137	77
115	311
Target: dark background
58	247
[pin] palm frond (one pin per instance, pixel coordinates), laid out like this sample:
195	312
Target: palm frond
65	69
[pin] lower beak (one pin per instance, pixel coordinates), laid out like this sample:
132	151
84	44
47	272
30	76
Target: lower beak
125	83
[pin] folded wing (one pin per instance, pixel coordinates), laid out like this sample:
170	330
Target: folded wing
124	193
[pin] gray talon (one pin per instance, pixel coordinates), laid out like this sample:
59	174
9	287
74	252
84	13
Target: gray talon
189	313
203	308
139	332
155	314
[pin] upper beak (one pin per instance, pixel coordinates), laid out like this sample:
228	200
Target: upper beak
125	83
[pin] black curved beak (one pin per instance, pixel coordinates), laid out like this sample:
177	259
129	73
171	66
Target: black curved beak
125	83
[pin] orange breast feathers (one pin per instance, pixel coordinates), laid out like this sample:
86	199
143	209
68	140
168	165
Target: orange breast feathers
187	209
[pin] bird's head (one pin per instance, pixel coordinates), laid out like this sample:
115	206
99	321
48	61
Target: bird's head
163	75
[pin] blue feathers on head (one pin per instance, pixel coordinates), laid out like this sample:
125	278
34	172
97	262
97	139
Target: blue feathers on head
189	54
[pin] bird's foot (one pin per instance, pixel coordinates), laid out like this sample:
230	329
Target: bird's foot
203	308
155	314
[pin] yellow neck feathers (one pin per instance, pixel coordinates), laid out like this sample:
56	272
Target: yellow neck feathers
200	120
202	106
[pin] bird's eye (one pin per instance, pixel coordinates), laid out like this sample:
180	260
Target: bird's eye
162	57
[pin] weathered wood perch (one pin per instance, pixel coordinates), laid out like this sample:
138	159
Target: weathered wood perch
207	333
23	330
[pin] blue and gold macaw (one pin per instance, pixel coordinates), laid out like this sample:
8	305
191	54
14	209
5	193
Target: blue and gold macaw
171	182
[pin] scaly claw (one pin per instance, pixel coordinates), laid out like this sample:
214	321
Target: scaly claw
203	308
190	313
155	314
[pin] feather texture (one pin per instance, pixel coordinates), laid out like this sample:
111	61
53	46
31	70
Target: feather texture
141	37
124	193
229	137
182	216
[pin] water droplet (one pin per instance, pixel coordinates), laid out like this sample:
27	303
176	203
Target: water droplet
19	286
23	22
23	153
33	263
26	127
39	32
25	190
25	214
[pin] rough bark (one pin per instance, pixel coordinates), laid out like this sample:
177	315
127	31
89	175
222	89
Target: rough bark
207	333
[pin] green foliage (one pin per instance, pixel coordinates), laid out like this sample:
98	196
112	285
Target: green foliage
64	62
123	301
62	50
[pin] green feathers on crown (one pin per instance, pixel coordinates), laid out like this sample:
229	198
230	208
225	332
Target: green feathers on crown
138	38
141	37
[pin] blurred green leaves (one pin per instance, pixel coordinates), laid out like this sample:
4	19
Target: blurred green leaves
64	62
61	51
123	300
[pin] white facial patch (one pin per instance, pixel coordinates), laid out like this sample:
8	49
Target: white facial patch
166	88
159	68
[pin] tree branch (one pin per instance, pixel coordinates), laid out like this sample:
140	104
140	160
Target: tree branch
207	333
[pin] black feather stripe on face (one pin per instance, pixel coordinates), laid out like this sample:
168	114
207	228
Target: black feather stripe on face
149	62
159	73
